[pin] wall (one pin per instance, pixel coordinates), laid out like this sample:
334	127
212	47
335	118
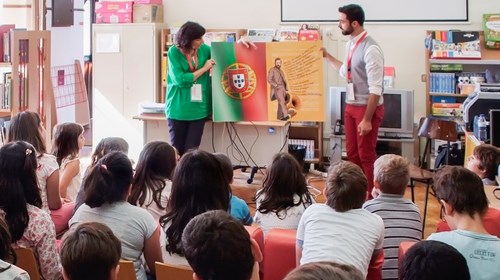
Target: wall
403	44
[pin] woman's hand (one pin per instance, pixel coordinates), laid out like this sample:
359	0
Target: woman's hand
209	64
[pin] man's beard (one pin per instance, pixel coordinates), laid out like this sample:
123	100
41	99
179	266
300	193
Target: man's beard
347	31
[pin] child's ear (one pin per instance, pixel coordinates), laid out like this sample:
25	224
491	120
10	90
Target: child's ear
257	254
114	272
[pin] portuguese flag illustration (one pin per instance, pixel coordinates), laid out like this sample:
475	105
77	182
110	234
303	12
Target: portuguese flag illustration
239	82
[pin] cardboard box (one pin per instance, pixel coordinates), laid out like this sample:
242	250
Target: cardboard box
491	27
113	12
148	13
113	18
447	109
158	2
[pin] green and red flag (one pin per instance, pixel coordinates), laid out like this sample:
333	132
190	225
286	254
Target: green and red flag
239	83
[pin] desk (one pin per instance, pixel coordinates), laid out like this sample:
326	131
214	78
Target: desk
245	143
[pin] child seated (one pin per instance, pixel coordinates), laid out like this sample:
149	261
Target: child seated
484	162
401	216
91	251
239	208
340	231
464	202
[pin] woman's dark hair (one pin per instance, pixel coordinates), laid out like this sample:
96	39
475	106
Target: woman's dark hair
156	164
66	140
284	180
108	181
107	145
18	185
6	251
198	185
189	32
25	126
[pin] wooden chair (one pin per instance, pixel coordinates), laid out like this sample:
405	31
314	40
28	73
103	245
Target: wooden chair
431	129
166	271
27	261
127	270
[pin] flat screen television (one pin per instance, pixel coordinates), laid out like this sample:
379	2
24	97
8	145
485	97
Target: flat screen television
398	111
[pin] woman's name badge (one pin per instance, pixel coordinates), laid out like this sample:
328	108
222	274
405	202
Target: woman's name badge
196	95
350	92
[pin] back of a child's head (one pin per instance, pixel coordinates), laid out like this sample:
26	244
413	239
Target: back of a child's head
18	184
66	140
26	126
217	246
226	165
108	181
346	186
325	271
433	260
489	159
198	185
156	164
90	252
107	145
392	173
462	189
158	159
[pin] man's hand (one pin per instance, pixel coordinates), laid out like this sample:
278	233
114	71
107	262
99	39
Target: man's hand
364	127
247	44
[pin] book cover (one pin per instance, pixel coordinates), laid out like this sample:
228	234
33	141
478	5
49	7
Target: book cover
491	28
288	33
5	47
456	45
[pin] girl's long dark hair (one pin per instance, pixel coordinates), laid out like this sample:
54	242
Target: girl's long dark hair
198	185
156	164
18	185
25	126
66	141
108	181
284	180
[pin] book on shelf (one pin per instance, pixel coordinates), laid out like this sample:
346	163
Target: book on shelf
491	28
455	45
6	91
5	45
288	33
210	37
447	109
307	143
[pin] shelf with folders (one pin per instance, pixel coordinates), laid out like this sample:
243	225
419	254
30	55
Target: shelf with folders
28	72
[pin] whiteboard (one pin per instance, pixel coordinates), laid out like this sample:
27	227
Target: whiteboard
377	10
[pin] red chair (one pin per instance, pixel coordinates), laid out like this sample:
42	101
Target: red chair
279	253
403	248
375	267
491	222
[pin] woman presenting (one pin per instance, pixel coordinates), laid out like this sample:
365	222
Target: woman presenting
189	89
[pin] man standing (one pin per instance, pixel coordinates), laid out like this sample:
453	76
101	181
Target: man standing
363	69
279	89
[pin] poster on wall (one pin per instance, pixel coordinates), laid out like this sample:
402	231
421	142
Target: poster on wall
275	81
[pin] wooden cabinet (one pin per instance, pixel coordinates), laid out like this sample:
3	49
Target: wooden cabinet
126	72
30	86
489	59
312	131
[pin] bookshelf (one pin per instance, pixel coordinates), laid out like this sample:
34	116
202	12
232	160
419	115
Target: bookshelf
30	84
309	131
489	59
